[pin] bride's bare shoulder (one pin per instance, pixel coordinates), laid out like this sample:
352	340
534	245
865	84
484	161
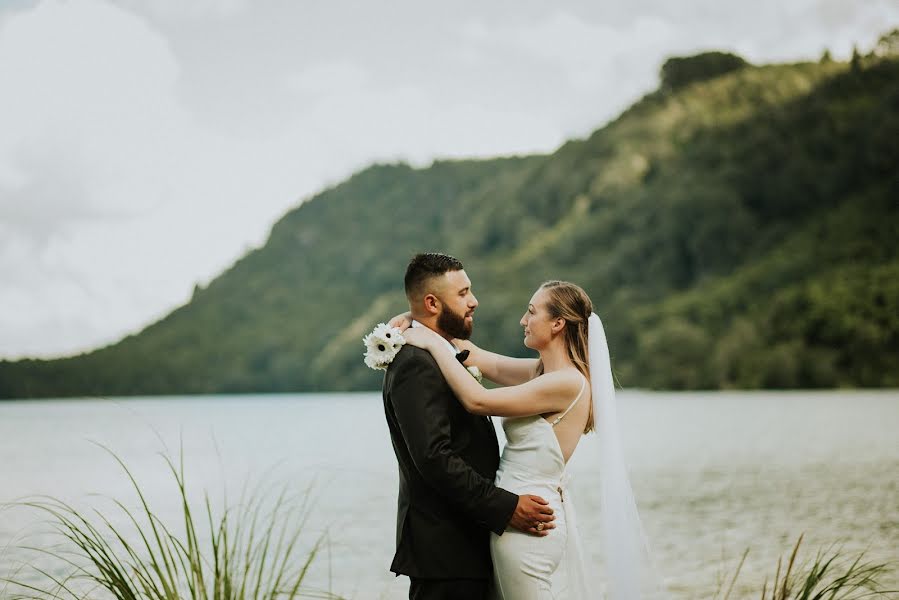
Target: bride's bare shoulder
563	380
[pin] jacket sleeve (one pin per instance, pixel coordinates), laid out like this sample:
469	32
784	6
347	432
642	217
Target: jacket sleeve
423	418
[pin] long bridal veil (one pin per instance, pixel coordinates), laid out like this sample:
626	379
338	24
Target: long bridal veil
630	572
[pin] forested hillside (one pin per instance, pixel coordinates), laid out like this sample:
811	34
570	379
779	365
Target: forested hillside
736	228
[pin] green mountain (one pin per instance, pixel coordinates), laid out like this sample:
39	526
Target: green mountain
736	228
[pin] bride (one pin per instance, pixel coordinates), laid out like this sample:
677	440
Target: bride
547	404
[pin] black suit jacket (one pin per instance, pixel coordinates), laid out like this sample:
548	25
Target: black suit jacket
447	458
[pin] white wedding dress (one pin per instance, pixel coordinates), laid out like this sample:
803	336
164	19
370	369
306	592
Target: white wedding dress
532	463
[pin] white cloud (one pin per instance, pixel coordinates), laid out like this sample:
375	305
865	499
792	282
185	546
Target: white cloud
602	67
178	10
585	51
331	77
113	200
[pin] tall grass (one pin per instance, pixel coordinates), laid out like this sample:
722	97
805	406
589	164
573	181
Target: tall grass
831	575
250	552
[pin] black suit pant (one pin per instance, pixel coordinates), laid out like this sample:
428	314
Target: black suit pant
448	589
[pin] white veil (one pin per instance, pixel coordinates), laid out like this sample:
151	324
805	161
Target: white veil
631	574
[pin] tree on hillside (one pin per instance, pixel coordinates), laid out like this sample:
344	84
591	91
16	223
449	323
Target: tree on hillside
680	71
888	44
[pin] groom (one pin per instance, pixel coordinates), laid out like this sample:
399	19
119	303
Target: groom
447	504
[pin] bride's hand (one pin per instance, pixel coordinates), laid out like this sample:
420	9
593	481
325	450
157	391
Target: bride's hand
402	321
422	337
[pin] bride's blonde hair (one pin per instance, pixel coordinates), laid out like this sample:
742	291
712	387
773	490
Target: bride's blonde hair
570	302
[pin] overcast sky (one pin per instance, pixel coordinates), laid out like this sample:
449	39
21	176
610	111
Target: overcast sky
147	144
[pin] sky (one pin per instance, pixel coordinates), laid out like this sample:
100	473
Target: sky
145	145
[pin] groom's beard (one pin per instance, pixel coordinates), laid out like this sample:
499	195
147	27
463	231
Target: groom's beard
453	325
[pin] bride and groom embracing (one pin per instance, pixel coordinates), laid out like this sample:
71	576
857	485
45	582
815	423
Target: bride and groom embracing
471	524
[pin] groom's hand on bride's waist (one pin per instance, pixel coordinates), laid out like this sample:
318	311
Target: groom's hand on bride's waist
533	515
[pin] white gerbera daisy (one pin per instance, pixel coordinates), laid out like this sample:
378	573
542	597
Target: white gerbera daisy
388	334
371	363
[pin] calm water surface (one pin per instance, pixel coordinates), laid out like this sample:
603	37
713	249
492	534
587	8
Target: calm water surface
713	473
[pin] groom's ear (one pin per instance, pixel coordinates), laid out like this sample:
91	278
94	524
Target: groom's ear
431	304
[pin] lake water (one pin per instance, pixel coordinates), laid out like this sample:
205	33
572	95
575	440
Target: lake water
713	473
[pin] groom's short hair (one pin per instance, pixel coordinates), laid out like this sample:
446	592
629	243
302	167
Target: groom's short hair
425	266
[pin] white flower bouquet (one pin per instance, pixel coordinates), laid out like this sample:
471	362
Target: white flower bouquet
381	346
